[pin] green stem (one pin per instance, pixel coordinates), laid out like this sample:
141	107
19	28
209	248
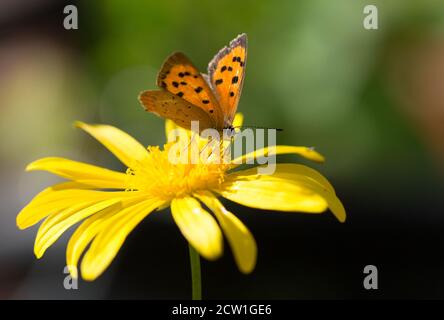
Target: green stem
196	281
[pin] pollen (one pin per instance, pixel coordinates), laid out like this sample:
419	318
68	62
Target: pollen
158	176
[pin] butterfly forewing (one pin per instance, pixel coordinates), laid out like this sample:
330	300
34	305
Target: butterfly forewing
180	77
227	73
169	106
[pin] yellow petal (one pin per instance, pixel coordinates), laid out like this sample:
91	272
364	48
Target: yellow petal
239	237
113	234
294	171
54	226
305	152
288	170
270	193
54	198
81	172
183	136
91	226
122	145
170	126
291	188
198	227
238	120
83	235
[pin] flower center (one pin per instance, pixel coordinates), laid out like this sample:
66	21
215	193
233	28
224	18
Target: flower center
161	177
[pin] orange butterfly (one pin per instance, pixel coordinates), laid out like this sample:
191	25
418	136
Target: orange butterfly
187	95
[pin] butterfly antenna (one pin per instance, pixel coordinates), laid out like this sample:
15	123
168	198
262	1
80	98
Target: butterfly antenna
256	127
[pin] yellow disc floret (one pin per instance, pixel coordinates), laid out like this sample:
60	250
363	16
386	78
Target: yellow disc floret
159	176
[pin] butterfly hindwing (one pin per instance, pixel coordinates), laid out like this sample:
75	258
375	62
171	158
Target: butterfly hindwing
169	106
226	73
180	77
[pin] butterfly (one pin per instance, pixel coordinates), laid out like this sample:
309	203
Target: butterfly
187	95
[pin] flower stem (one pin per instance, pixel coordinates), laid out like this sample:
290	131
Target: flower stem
196	281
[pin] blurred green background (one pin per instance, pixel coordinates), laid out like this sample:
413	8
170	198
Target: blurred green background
371	101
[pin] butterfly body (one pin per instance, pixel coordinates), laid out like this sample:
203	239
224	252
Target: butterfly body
187	95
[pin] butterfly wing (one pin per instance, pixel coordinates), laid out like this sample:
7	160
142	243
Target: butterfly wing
180	77
227	73
169	106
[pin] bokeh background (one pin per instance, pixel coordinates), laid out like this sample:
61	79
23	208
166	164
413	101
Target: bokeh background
372	101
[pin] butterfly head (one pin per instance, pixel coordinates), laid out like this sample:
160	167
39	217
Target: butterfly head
229	131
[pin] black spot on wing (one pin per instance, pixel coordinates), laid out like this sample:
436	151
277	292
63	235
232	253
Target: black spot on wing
218	81
198	89
180	94
235	79
205	101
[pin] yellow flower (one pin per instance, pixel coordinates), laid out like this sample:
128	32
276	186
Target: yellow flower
111	204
